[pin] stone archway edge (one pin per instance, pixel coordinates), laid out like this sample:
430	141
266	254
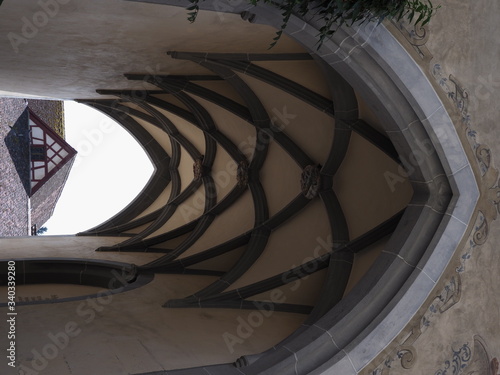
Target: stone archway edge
376	65
378	44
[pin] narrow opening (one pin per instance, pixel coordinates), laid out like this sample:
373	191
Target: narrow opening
110	169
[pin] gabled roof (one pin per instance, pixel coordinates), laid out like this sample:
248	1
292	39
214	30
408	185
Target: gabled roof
14	168
47	184
17	193
51	112
43	202
49	152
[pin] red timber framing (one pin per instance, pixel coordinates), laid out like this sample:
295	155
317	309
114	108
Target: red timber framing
48	152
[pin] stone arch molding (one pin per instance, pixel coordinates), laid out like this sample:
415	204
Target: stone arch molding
358	328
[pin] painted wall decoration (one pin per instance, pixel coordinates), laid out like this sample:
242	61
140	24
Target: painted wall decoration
481	362
469	359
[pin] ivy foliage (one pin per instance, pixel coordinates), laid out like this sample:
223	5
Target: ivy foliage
41	231
335	13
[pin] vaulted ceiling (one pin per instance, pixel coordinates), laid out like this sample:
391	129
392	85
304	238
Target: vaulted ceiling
264	176
307	181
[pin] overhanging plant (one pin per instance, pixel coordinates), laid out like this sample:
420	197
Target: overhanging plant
335	13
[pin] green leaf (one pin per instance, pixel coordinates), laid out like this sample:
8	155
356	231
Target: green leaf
335	13
420	18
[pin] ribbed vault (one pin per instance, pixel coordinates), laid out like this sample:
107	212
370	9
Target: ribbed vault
321	192
224	146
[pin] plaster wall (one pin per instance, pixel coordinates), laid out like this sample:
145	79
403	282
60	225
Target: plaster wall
139	229
224	173
306	291
158	203
66	246
50	292
131	332
235	220
364	174
221	263
241	133
158	134
307	126
310	75
87	44
185	168
171	244
189	210
128	345
222	88
284	251
460	57
280	178
192	133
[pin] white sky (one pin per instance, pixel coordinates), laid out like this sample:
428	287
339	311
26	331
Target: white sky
110	170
